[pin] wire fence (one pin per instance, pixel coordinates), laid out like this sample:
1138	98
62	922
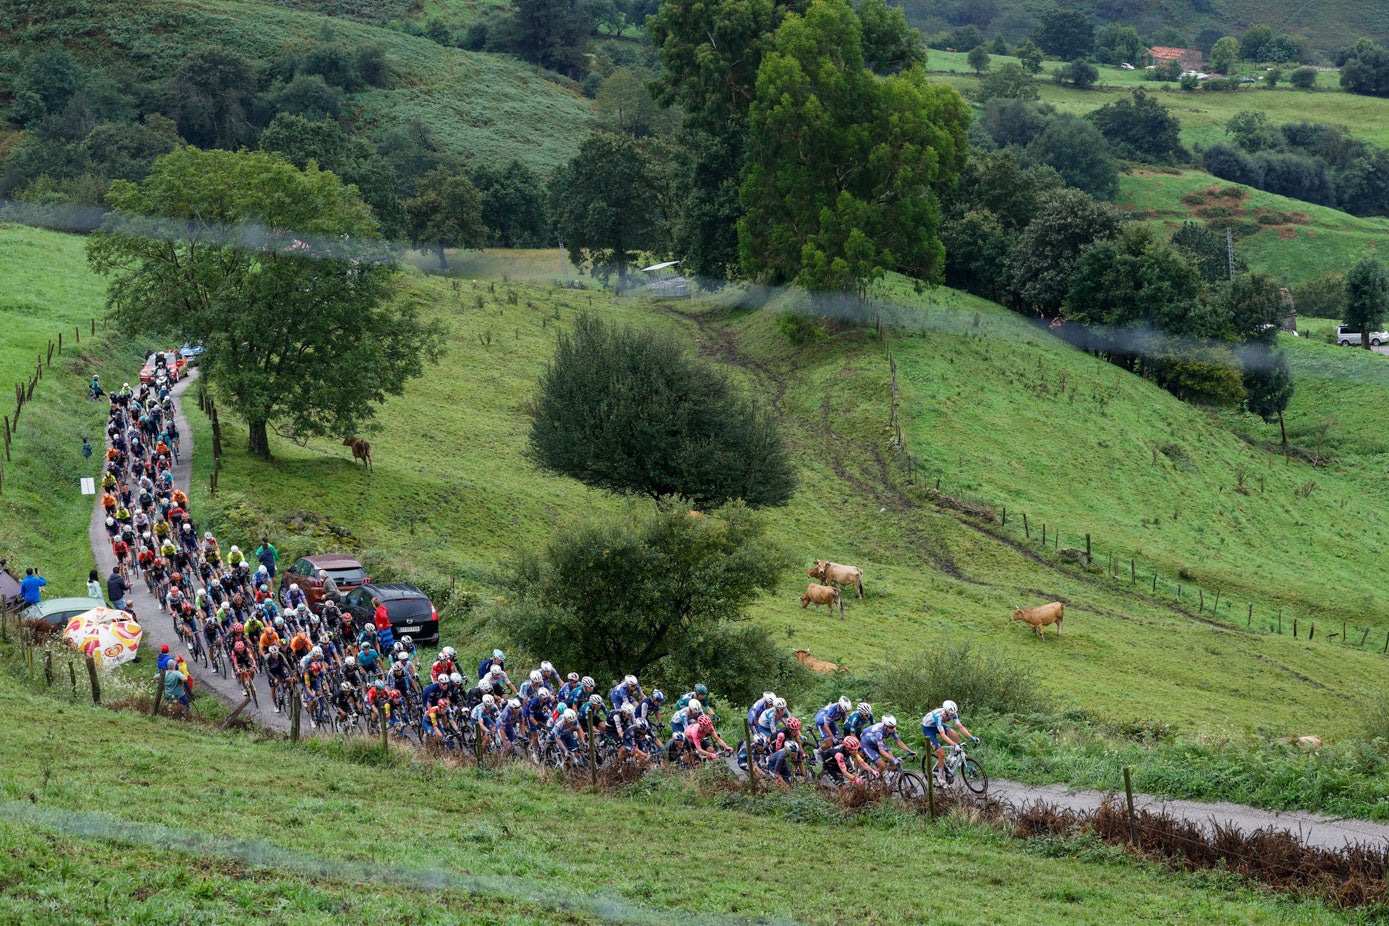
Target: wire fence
24	389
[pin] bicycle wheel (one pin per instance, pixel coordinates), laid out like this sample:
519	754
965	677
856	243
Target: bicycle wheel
973	776
910	786
251	690
827	783
742	754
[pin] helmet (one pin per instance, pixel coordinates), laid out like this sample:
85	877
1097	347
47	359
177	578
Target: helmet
793	747
350	661
640	725
630	680
595	700
399	646
443	702
588	681
573	678
110	521
706	724
536	676
496	672
951	708
407	640
178	577
845	704
701	690
317	652
274	650
779	704
240	647
456	679
498	654
450	652
793	725
658	696
380	685
315	667
443	679
571	715
207	535
514	704
769	696
402	658
279	621
542	692
695	708
238	627
629	709
865	708
345	687
851	743
264	587
890	722
164	648
546	667
313	619
489	700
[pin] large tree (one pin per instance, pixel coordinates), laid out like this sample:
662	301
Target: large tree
844	168
250	255
1065	34
1367	297
514	205
1040	265
1269	386
604	204
1141	127
447	213
634	413
1077	151
622	596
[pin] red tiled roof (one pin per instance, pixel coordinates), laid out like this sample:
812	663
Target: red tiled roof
1164	51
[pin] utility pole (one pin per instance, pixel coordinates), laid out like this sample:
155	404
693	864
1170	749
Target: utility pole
1230	250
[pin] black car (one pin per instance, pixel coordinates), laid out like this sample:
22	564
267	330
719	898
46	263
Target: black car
412	613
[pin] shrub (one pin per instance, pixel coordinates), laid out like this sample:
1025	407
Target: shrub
976	677
1375	718
1303	78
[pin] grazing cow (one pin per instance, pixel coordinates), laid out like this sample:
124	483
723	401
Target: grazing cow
835	574
1044	616
361	450
1309	742
826	595
816	665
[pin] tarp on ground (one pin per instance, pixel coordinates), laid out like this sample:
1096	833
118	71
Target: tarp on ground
111	635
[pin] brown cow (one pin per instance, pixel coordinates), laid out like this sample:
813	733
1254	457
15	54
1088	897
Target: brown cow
835	574
826	595
1041	617
816	665
361	450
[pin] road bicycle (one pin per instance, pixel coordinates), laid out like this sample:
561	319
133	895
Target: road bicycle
960	768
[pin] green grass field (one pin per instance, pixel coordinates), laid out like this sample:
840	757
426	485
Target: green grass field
205	827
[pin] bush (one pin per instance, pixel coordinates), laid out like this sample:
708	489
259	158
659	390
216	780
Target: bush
1303	78
1375	718
976	677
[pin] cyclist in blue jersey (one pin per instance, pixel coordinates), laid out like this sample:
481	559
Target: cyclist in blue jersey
539	713
861	719
549	677
828	719
581	693
567	732
626	690
498	658
508	722
685	717
759	706
935	726
570	685
772	720
644	739
650	707
781	763
485	718
593	715
874	743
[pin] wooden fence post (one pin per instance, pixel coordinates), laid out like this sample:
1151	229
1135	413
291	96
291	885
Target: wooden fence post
1363	637
294	717
931	793
752	766
1216	608
1312	631
1133	571
592	751
96	683
1280	622
1025	530
1087	546
48	668
1250	622
72	677
236	713
1128	792
159	692
1201	601
1044	534
1294	628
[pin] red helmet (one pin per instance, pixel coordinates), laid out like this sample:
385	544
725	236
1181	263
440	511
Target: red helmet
316	667
706	724
164	648
793	725
178	577
851	743
238	627
443	702
240	647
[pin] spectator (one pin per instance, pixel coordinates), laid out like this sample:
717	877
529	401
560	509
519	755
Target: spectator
176	687
268	556
116	590
93	585
29	588
86	449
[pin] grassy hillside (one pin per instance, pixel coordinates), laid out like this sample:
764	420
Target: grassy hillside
328	834
480	108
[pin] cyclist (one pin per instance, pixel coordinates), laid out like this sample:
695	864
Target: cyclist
578	695
377	697
244	662
567	733
254	626
174	600
439	688
353	673
623	730
562	692
276	671
445	664
345	701
874	743
540	711
759	706
935	726
860	720
300	644
828	718
686	717
496	681
650	708
645	742
843	760
498	658
549	677
696	734
508	720
626	690
367	658
772	719
791	733
593	715
400	678
531	685
781	762
485	718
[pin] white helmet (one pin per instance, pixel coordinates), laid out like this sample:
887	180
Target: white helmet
695	707
890	722
350	661
542	692
629	709
450	652
514	704
769	696
587	681
630	680
546	667
844	704
865	708
779	704
535	677
595	700
456	678
495	672
317	652
571	715
489	701
951	708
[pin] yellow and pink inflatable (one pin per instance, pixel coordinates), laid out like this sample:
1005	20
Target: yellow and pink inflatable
106	633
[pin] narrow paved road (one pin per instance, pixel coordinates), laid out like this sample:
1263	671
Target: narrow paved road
158	627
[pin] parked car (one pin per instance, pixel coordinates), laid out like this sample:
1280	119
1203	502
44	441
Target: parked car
1348	338
58	611
191	351
178	367
412	613
345	570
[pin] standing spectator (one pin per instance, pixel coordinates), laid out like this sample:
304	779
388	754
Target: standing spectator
86	449
268	556
176	687
382	621
31	585
116	590
93	585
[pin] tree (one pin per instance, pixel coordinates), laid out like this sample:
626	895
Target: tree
552	33
844	168
624	595
890	44
447	213
625	101
208	96
1030	56
1039	267
1272	76
1010	82
513	205
298	327
1225	54
1268	384
48	78
1322	297
1077	151
1081	74
1366	71
1207	249
1251	131
1304	78
632	412
1367	297
978	59
1120	44
1065	33
1257	44
604	206
1230	163
1253	306
1141	127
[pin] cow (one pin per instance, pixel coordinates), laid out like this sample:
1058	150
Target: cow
816	665
361	450
1041	617
826	595
835	574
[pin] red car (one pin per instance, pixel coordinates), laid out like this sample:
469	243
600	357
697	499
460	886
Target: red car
345	570
178	366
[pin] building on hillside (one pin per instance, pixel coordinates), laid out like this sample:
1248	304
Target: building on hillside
1188	58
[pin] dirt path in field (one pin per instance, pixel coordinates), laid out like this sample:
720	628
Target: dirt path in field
158	627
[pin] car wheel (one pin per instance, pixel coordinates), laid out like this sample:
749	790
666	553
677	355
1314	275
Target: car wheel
1345	344
1374	342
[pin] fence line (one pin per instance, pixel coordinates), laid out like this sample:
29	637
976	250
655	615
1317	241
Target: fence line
24	389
